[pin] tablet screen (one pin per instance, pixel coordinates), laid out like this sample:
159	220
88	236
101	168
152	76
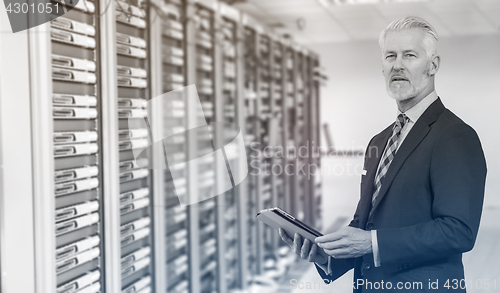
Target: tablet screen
295	221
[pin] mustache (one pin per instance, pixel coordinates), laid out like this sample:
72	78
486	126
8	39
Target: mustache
398	76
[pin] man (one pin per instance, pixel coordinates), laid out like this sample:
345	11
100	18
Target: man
422	194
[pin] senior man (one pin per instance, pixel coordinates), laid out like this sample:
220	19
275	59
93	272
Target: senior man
422	194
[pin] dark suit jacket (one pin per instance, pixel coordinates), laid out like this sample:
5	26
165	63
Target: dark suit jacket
429	207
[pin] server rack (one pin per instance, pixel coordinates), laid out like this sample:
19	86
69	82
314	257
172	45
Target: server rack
226	112
133	88
290	122
77	156
277	129
308	183
301	139
266	179
244	196
209	169
175	110
314	130
308	140
251	31
245	75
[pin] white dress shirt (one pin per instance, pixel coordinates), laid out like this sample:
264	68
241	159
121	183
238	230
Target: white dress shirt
413	115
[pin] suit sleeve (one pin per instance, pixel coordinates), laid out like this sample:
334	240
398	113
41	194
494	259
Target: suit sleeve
338	267
457	177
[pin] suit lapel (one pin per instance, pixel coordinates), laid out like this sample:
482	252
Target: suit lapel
374	153
412	140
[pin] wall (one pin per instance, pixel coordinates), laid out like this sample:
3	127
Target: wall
17	259
356	105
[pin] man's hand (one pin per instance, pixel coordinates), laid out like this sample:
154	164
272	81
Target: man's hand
304	248
348	242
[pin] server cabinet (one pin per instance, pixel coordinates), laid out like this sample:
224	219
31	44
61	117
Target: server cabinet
277	132
294	123
289	115
77	150
267	139
107	60
174	113
314	130
208	167
301	136
244	216
251	134
226	80
133	88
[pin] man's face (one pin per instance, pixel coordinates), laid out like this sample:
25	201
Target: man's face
405	63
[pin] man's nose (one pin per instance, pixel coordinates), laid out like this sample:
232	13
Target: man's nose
398	63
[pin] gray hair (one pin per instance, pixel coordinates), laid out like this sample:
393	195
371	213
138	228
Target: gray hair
409	22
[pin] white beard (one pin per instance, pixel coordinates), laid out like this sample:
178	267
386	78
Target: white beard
410	93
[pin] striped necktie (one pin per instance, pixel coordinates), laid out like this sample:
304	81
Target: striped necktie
388	156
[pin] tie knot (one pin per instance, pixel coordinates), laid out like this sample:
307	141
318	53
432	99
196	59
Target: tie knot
401	121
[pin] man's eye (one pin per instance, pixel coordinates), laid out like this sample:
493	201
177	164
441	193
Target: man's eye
389	56
411	55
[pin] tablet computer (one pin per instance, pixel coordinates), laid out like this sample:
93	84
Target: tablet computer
278	218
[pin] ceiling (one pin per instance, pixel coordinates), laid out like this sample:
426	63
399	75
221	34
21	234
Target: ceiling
342	23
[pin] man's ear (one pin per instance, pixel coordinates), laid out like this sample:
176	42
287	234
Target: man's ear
434	65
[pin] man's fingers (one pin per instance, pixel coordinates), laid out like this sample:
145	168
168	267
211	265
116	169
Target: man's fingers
297	243
329	237
304	251
312	253
287	239
341	244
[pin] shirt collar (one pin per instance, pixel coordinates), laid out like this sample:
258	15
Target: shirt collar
416	111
